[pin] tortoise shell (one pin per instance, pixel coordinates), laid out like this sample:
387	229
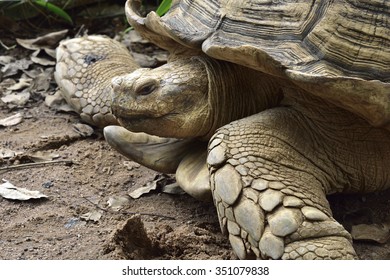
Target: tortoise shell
336	49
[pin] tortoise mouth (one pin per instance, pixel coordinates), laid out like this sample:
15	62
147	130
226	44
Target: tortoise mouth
140	122
124	113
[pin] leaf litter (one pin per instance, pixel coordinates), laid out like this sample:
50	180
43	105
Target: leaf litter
159	182
93	216
9	191
12	120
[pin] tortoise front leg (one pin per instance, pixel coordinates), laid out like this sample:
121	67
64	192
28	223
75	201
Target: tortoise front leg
269	185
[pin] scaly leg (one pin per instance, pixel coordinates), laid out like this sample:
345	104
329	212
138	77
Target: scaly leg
270	174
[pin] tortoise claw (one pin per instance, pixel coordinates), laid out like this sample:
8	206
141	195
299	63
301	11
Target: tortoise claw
157	153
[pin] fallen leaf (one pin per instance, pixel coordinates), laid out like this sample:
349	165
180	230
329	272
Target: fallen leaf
42	80
49	40
92	216
17	99
23	83
9	191
14	67
50	52
36	58
40	156
6	84
58	103
12	120
83	129
173	188
373	232
6	59
117	202
137	193
6	153
159	182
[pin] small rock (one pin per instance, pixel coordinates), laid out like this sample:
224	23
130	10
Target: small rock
48	184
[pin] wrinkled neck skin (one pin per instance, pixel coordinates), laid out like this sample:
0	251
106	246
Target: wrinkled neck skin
236	92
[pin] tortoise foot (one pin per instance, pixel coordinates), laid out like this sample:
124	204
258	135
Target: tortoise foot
270	201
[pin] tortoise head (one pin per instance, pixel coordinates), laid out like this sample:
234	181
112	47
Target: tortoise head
169	101
190	97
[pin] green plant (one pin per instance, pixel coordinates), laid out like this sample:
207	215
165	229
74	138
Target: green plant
164	7
161	10
54	9
25	9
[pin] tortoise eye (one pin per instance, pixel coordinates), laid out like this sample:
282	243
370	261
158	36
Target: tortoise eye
146	89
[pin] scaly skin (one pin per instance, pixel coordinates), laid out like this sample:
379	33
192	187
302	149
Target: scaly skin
85	67
271	172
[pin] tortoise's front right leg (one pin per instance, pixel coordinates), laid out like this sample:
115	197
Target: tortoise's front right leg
270	195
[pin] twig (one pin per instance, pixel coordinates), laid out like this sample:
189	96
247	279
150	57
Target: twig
128	212
6	47
35	164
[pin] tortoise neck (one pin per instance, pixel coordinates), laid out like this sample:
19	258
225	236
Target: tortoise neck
236	92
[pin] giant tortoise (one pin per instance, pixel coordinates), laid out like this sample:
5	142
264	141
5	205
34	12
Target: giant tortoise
292	99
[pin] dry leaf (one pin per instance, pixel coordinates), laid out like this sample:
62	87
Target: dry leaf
9	191
92	216
117	202
159	182
373	232
23	83
17	99
173	188
50	52
151	186
7	153
49	40
40	156
41	60
15	66
42	80
58	103
6	59
83	129
12	120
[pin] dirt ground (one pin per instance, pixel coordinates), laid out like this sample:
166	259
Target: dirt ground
76	221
